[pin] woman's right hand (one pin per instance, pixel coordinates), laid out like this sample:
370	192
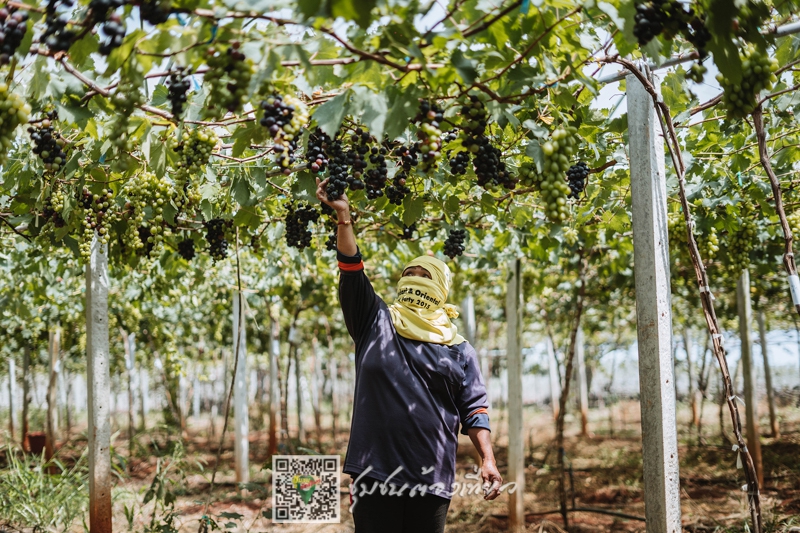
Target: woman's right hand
341	205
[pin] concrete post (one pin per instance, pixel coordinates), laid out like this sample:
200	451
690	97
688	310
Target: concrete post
583	386
12	394
241	418
516	457
99	389
746	363
468	315
653	312
52	394
274	390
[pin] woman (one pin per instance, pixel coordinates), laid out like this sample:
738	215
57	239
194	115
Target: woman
416	381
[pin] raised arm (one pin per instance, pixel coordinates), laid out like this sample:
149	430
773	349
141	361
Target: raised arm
356	295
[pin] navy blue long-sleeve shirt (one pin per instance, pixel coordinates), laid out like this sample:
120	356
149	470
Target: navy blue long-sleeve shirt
410	396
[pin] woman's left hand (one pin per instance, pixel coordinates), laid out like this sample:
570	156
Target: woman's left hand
491	480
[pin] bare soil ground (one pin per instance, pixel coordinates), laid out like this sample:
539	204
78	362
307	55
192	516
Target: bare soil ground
605	476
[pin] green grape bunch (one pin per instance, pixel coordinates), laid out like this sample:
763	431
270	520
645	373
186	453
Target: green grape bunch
126	99
552	183
709	246
145	193
740	244
228	75
758	74
194	149
98	216
13	112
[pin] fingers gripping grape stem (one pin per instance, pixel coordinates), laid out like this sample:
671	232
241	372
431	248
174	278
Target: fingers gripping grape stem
763	153
714	329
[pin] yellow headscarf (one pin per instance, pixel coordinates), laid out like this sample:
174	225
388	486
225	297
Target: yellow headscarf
420	311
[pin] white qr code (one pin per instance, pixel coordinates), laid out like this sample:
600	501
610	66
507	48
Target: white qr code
305	489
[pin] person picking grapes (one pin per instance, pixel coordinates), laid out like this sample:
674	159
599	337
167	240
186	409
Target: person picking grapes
417	380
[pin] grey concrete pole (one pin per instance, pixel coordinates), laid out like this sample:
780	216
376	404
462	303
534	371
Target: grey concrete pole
12	394
746	363
516	457
762	332
274	390
241	448
468	316
555	380
583	386
99	389
653	312
52	394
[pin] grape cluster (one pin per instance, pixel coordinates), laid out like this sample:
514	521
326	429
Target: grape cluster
13	112
297	233
284	117
340	177
194	150
186	249
454	245
101	8
125	99
408	231
13	26
177	87
408	157
145	195
576	176
316	156
58	34
460	163
377	173
429	118
48	144
216	236
330	243
398	190
97	218
114	31
557	150
489	166
155	11
656	16
710	246
758	74
228	75
474	117
794	223
740	245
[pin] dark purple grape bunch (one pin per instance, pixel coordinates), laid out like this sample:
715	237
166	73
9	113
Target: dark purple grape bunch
408	231
377	173
114	31
297	233
489	166
186	249
316	156
178	86
460	163
155	11
409	157
276	114
398	189
48	143
58	34
576	176
215	236
454	245
13	26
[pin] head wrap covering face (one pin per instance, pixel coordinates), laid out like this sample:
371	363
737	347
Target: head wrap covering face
421	311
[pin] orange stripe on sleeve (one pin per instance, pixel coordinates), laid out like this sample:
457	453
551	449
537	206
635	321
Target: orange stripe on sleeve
482	410
351	267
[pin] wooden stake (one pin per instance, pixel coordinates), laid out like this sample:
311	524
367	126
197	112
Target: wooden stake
516	451
583	387
773	421
12	393
555	379
746	364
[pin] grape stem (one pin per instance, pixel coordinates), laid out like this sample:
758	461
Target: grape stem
10	225
763	153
